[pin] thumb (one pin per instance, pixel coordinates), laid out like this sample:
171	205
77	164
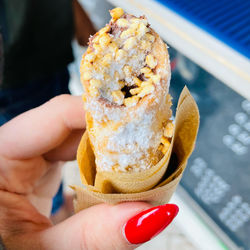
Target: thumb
102	227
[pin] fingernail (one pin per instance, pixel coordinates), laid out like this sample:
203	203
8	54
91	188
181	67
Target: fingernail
149	223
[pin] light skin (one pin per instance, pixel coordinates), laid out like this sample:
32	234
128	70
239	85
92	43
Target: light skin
32	148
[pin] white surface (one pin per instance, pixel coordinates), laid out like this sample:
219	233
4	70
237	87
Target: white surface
214	56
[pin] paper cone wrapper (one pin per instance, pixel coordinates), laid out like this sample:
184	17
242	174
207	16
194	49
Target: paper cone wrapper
155	185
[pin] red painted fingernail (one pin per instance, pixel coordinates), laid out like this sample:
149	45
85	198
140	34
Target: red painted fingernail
147	224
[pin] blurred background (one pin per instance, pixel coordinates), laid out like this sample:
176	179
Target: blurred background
209	46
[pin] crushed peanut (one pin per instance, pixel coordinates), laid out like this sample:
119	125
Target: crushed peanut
90	57
150	37
131	101
155	78
97	48
146	90
146	83
130	43
127	70
127	33
146	70
120	54
87	75
137	81
93	91
118	96
122	22
151	61
135	91
104	40
106	60
116	13
142	29
95	83
104	30
113	47
124	76
145	45
169	130
165	148
121	84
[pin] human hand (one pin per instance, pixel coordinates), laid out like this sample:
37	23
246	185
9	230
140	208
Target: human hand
31	148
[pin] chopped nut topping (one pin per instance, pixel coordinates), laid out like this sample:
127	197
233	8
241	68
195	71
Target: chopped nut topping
127	70
98	48
104	40
146	83
130	43
87	66
107	77
131	101
135	91
120	55
113	47
93	91
122	22
169	130
139	20
116	13
111	58
134	26
137	81
96	38
165	148
127	33
142	29
164	140
135	20
151	61
104	30
95	83
121	84
87	76
149	37
145	45
118	96
146	90
90	57
106	60
155	78
146	70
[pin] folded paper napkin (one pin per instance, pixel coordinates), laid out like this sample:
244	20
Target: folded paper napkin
155	185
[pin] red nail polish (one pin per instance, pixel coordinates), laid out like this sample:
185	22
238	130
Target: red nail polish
147	224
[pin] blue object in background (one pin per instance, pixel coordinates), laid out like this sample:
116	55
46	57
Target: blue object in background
228	21
58	200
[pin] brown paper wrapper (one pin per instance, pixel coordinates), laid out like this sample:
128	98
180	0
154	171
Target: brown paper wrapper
155	185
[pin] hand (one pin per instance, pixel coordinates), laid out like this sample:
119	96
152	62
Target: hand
31	148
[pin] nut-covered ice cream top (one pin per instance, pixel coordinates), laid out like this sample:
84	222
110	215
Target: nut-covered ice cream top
118	63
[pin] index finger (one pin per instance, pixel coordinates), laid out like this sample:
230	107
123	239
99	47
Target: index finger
39	130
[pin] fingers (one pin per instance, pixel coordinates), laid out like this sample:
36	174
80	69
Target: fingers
98	227
67	150
42	129
105	227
